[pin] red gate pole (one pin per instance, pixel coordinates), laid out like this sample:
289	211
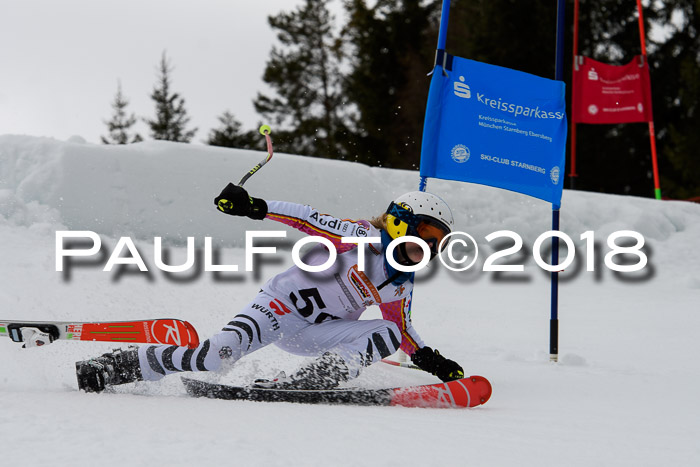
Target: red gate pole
652	135
573	174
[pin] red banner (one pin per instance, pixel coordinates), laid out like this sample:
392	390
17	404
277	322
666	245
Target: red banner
605	93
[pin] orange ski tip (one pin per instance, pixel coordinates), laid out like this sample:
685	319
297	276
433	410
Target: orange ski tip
484	394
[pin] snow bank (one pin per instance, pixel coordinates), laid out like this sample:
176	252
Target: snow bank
167	189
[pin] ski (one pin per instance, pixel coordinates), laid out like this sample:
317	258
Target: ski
151	331
466	392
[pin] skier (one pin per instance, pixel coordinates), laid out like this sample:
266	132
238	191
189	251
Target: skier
311	314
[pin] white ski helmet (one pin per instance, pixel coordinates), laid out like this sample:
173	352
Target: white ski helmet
420	214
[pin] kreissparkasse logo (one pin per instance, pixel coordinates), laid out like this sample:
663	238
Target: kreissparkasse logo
461	89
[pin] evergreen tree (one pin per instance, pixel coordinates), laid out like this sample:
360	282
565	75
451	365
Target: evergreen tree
393	47
508	33
120	124
229	134
171	115
308	109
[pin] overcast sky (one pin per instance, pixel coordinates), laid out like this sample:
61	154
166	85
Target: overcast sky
60	61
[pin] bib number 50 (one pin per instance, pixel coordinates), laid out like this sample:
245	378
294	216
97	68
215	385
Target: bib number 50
311	299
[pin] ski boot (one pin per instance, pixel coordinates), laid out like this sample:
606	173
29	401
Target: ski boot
326	372
113	368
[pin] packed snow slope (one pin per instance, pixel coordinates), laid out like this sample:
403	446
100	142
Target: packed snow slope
624	392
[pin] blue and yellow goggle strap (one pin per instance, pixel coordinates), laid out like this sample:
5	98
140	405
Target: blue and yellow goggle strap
399	220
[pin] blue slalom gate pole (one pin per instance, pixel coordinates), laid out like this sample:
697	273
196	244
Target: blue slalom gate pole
442	39
444	19
554	318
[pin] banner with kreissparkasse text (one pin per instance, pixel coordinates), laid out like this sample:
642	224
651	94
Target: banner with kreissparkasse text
496	126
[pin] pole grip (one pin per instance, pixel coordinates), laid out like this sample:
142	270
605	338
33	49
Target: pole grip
553	340
554	317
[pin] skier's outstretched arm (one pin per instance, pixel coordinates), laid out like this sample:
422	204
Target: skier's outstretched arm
303	218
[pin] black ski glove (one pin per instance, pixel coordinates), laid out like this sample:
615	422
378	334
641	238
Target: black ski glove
234	200
431	361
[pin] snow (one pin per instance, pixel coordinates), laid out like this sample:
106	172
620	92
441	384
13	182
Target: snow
623	393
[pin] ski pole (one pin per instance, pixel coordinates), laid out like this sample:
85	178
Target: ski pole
400	364
265	131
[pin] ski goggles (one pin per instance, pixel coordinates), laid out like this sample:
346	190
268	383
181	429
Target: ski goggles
433	233
425	227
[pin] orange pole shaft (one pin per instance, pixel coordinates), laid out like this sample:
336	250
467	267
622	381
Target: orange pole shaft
642	35
652	138
652	132
573	173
